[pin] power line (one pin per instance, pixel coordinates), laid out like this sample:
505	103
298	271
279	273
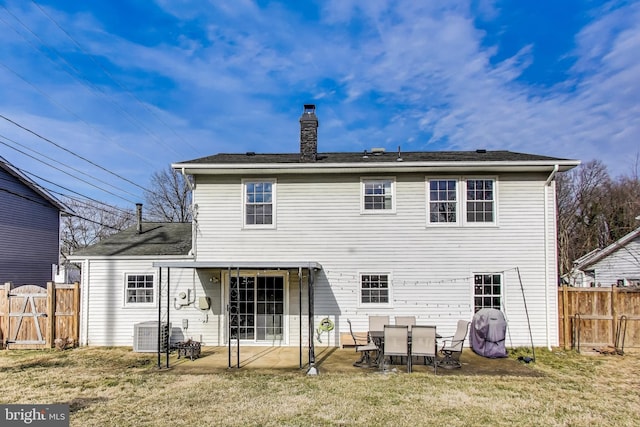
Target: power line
55	167
57	185
108	74
54	102
72	153
83	81
79	179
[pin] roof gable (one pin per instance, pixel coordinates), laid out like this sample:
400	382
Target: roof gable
596	255
22	178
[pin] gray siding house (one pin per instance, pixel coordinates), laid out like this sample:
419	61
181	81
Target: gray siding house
616	265
284	241
29	229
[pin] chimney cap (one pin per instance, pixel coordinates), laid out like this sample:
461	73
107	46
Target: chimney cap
309	108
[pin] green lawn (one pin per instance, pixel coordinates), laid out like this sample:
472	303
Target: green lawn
116	387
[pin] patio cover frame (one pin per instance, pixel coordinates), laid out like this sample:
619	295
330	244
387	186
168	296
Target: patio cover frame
311	266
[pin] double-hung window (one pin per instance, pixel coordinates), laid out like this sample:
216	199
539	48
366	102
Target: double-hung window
461	201
487	291
480	201
378	195
139	290
374	289
443	201
259	203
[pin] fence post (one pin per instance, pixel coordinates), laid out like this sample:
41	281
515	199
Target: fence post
4	331
76	314
51	314
565	318
614	312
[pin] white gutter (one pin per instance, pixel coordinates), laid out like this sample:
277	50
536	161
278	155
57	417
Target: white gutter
546	253
377	167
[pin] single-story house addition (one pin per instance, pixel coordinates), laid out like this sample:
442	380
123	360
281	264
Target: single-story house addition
281	241
616	265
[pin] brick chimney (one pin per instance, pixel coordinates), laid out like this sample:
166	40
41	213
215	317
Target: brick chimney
139	217
308	134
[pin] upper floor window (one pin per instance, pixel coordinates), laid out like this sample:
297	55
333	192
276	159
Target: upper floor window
443	201
374	289
457	201
378	195
487	291
259	198
139	289
480	200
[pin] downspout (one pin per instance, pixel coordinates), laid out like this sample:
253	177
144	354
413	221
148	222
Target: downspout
546	253
194	216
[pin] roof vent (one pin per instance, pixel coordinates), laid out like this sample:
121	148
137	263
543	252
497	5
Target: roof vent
251	153
377	151
481	151
365	155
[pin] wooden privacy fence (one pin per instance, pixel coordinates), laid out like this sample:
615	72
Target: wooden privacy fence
33	317
593	318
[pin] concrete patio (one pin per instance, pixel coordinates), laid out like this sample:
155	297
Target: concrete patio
329	360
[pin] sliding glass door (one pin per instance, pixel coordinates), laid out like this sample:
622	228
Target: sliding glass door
256	307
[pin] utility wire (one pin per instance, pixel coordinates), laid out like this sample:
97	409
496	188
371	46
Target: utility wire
57	185
86	83
54	102
57	168
108	74
72	176
72	153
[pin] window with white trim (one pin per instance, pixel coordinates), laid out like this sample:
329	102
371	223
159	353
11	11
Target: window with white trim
443	201
487	291
461	201
139	289
378	195
259	203
374	289
480	200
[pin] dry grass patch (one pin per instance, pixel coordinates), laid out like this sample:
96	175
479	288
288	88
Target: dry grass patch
117	387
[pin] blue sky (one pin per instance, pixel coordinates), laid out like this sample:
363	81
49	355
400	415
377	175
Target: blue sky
133	86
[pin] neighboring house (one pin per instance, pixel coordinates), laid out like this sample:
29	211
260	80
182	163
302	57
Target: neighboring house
616	265
279	238
29	229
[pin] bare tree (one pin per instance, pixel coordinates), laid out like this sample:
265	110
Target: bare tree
170	197
594	210
91	222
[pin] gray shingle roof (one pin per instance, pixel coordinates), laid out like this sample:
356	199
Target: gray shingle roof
157	238
360	157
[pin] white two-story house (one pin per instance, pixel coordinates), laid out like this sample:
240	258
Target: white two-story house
280	242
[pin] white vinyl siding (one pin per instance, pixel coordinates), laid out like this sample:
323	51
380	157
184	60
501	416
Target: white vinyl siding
320	220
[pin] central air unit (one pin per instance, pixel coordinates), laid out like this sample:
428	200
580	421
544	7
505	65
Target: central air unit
145	337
